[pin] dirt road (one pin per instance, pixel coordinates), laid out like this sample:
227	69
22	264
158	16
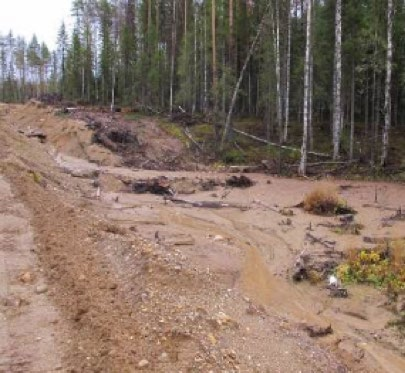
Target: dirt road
137	283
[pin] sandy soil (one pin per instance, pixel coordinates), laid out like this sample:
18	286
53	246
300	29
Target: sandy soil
137	283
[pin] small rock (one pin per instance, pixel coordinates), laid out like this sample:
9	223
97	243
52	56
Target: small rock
82	277
400	304
41	289
223	320
143	363
164	357
218	238
113	286
352	349
26	278
212	339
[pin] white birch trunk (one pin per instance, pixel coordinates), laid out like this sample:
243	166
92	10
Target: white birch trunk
387	103
337	109
304	149
278	75
172	56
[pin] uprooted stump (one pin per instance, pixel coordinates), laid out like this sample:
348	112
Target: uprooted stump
316	265
241	181
115	138
158	185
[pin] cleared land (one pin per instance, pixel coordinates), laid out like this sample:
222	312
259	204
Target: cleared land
136	282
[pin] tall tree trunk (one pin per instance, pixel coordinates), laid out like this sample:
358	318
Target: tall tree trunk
195	62
288	72
352	116
205	63
278	85
304	151
387	102
310	103
214	66
337	109
173	52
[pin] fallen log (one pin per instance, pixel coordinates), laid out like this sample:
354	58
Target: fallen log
36	133
205	204
323	155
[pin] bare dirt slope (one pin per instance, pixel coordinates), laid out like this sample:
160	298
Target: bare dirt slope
138	283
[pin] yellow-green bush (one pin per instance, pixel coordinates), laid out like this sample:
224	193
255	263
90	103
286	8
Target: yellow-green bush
375	267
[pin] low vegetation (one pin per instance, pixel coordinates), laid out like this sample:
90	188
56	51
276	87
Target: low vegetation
381	267
324	200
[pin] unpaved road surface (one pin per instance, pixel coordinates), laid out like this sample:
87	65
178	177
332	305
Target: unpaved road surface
133	282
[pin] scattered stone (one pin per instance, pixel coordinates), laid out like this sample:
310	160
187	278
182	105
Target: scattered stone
218	238
254	310
164	357
26	278
222	320
41	289
351	348
143	363
212	339
113	286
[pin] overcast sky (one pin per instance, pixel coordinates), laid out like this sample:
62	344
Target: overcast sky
42	17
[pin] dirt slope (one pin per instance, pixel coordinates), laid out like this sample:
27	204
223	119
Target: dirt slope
140	284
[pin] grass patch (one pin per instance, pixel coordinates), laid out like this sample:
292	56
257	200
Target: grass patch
324	200
174	130
133	116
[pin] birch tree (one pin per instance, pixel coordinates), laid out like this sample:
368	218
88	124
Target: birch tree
387	102
304	148
337	81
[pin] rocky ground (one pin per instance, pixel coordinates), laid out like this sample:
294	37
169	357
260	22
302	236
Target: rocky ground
97	279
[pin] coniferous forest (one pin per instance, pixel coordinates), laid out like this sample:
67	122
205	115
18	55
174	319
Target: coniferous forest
322	76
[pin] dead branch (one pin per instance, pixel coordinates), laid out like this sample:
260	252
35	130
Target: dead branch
326	243
205	204
275	144
188	135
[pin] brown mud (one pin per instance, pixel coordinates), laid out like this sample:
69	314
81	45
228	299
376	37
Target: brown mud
139	283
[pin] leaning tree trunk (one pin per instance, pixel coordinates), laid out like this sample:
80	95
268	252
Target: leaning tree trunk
304	149
387	103
337	82
238	83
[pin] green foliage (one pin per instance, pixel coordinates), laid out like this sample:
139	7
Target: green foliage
233	156
375	268
174	130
